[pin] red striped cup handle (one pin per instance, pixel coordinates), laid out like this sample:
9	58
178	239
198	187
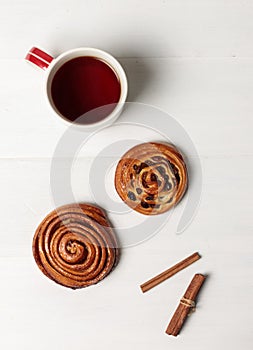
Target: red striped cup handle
39	58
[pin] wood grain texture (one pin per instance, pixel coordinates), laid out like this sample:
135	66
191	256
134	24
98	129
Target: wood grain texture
133	28
193	59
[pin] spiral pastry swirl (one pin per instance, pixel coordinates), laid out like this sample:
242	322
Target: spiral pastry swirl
151	178
75	246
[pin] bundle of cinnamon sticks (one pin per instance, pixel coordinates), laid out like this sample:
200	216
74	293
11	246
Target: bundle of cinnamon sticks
186	305
187	302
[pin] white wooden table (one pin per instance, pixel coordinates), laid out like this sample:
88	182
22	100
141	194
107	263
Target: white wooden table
194	60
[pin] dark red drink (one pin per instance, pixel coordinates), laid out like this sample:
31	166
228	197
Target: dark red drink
82	85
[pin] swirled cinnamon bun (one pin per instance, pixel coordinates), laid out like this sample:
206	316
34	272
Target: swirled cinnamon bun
151	178
75	246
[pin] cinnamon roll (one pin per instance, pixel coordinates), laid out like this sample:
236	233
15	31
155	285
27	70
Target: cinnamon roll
151	178
75	246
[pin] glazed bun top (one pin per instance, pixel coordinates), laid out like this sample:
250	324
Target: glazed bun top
151	178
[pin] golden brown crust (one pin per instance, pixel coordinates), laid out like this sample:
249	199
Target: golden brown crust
75	246
151	178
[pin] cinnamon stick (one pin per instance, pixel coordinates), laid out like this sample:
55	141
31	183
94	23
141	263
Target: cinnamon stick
187	303
169	272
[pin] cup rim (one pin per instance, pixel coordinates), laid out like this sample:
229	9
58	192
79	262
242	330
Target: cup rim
115	65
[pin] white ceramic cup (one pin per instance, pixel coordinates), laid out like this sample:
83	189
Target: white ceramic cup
51	66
